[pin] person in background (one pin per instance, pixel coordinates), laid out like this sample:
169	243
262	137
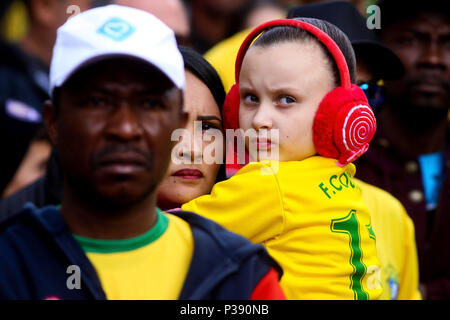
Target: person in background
34	163
204	97
410	154
4	7
214	20
361	5
171	12
115	103
264	11
24	79
394	229
48	189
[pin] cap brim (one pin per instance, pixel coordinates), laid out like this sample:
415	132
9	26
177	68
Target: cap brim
89	62
382	61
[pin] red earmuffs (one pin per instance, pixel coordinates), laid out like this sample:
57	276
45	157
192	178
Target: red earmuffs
344	123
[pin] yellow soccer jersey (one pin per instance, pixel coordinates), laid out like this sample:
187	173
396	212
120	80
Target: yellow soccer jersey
152	266
396	244
311	218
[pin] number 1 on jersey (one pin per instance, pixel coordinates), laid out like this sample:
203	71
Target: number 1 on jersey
350	226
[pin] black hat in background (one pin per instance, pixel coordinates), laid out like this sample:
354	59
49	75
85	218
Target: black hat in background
383	62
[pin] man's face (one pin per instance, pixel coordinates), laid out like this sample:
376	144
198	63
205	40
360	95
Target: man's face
423	45
112	128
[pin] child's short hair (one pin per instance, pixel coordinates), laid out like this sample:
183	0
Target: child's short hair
289	34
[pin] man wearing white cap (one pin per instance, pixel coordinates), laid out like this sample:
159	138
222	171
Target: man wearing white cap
116	82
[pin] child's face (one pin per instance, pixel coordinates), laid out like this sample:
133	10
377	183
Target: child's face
281	87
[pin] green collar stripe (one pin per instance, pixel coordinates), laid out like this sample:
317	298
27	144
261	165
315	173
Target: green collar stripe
112	246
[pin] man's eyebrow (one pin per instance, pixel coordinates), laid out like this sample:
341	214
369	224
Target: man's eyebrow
137	91
425	34
209	117
99	89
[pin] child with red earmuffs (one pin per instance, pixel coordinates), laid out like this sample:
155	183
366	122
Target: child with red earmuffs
295	82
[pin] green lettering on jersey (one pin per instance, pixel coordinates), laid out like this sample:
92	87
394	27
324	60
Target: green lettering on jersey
350	226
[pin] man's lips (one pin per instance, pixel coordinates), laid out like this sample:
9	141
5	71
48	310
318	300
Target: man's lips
188	174
429	82
428	87
125	163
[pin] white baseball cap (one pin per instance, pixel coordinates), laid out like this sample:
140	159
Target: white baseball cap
114	30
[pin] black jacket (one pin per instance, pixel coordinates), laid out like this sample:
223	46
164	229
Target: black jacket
37	248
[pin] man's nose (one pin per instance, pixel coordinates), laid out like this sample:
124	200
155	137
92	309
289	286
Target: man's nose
191	146
432	55
124	123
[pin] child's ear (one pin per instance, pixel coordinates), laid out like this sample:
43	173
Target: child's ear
49	114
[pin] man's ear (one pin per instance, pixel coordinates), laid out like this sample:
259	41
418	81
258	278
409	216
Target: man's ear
50	121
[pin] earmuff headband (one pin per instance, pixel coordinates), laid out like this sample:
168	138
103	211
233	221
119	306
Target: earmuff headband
319	34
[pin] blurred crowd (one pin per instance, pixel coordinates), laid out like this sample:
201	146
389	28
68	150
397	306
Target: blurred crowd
403	67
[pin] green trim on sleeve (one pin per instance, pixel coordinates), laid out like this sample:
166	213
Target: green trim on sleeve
122	245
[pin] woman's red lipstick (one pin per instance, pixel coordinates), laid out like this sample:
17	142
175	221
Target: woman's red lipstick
189	174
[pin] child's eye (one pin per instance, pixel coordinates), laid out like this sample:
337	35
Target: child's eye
285	99
250	99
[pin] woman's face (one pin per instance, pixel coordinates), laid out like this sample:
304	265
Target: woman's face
281	87
196	175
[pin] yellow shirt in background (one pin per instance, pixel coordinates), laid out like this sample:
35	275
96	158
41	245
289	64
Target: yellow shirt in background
223	56
311	218
152	266
396	244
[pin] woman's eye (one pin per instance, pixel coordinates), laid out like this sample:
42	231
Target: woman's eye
208	126
287	100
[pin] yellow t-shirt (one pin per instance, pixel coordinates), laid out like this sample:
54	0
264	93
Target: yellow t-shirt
311	218
396	244
152	266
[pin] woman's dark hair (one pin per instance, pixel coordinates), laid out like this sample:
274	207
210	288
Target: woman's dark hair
289	33
202	69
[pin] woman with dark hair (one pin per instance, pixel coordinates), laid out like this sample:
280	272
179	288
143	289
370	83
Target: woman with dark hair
190	175
303	123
